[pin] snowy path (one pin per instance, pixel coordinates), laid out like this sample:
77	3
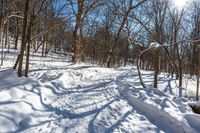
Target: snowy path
46	106
82	98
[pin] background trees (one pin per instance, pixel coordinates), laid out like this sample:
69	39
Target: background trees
109	33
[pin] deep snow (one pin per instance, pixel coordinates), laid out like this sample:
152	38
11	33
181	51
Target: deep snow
62	97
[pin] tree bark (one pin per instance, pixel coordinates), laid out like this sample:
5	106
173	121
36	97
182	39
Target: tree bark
198	74
79	20
111	52
28	45
23	44
156	68
1	30
16	34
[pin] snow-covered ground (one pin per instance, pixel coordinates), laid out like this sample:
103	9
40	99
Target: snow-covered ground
60	97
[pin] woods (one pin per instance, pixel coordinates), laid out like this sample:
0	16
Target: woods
100	66
109	33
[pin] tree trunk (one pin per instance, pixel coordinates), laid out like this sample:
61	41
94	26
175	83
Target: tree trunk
16	34
180	73
74	46
110	56
198	74
79	20
6	37
28	45
197	91
23	44
156	68
81	47
139	73
126	55
43	48
1	30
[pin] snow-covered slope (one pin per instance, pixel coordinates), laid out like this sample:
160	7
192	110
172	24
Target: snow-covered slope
60	97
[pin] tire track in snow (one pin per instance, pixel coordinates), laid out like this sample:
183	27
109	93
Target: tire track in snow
119	119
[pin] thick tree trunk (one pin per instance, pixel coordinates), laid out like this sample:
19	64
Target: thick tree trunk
79	20
23	44
81	47
28	45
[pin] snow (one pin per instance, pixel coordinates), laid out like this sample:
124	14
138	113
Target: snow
198	103
62	97
161	119
154	45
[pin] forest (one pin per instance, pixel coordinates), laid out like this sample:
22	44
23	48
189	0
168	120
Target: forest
157	36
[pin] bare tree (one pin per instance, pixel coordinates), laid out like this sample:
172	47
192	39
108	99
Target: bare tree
124	14
84	7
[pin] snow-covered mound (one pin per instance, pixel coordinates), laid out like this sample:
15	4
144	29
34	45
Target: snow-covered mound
63	98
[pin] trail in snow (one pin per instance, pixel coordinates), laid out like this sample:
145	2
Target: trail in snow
62	97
